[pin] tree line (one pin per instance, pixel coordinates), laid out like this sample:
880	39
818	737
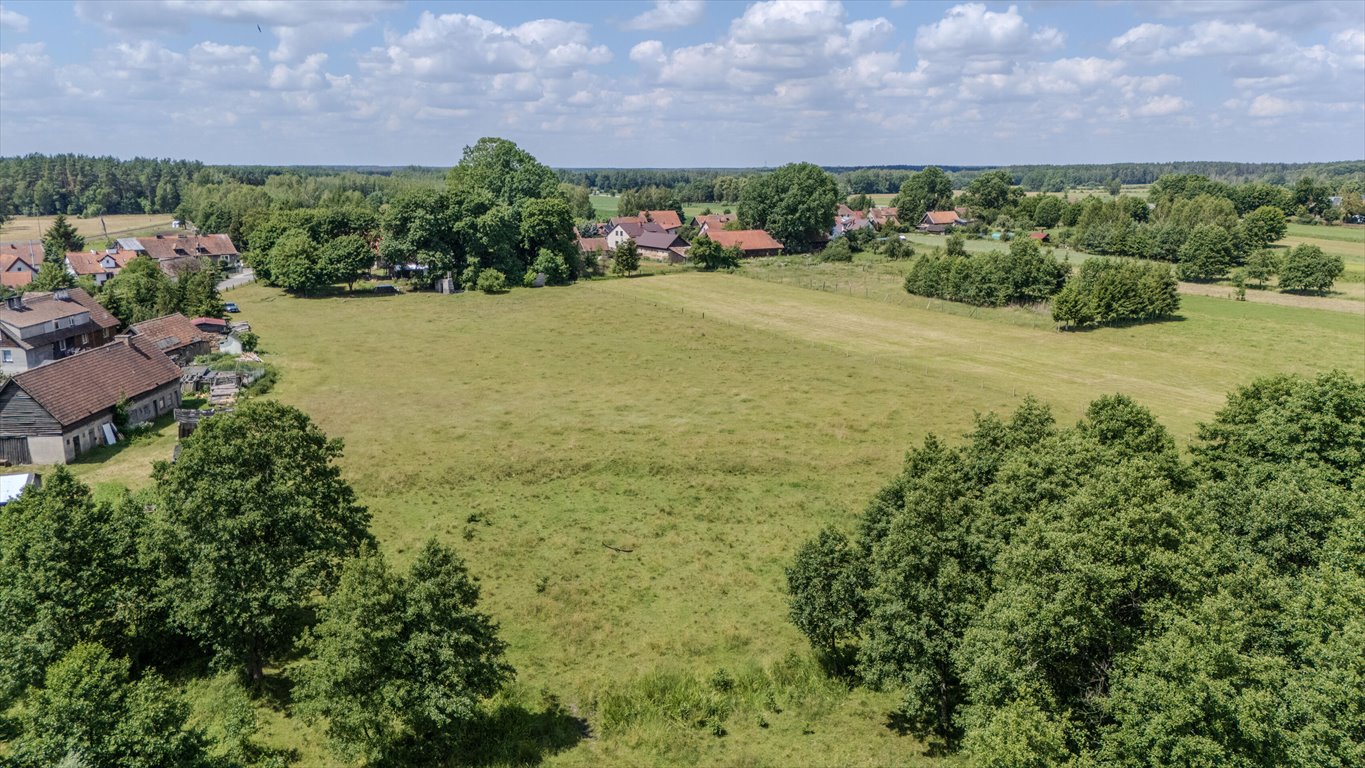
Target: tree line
81	185
1102	291
1043	594
248	550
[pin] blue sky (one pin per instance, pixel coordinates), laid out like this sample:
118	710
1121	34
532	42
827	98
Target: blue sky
686	82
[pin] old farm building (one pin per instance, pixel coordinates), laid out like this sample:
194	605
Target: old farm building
54	413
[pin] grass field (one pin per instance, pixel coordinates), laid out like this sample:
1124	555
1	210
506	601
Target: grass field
605	207
122	225
708	423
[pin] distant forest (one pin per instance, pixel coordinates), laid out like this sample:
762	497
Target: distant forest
82	185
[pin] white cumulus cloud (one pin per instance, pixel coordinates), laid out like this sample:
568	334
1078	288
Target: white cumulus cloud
13	19
972	30
669	14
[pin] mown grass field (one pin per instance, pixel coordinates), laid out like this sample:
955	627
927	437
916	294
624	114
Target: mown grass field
707	423
121	225
605	207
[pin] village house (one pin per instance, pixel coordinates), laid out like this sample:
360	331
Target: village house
98	266
883	215
39	327
177	337
19	262
938	222
628	230
669	220
52	414
848	220
662	246
1041	237
751	242
175	252
712	220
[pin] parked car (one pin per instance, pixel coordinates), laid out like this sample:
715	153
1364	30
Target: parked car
385	288
231	307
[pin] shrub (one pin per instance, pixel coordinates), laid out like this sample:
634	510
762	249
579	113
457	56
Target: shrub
554	266
249	341
838	250
492	281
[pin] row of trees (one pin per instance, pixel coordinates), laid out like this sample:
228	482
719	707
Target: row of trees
1111	291
305	249
991	279
246	550
719	185
1049	595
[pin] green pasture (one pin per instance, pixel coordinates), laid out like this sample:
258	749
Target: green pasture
629	464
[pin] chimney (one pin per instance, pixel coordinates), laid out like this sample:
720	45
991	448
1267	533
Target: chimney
124	339
15	302
61	294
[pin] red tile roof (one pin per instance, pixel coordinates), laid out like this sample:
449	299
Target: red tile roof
16	279
746	239
1038	235
590	244
165	247
716	220
88	262
665	219
76	387
172	332
942	217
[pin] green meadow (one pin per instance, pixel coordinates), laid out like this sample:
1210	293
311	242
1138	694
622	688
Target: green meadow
629	464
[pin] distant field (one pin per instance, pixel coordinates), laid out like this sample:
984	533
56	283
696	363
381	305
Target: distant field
709	423
605	207
32	227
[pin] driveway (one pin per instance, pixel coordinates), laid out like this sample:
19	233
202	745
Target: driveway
239	279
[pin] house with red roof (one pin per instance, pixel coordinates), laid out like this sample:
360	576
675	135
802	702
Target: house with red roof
96	265
938	222
751	242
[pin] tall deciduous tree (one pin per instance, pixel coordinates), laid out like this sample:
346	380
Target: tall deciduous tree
1309	268
256	521
1206	254
140	291
1264	226
401	662
509	173
927	190
346	259
794	203
295	263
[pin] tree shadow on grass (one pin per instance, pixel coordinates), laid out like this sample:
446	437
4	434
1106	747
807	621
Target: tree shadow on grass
1122	324
899	723
511	734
